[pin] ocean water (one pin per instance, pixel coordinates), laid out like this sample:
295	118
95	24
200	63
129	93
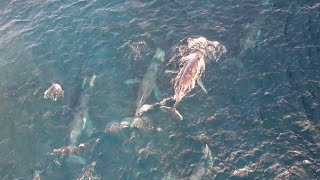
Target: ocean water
259	118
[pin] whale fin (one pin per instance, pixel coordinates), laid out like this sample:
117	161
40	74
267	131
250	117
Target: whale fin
157	92
132	81
199	81
144	108
171	71
88	128
177	114
172	111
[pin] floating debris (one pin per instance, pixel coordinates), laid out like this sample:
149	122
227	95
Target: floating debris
54	92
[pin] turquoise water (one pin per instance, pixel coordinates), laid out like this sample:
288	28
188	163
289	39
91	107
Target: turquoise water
260	117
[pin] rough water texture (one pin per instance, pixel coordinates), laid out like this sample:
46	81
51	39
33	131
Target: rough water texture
260	117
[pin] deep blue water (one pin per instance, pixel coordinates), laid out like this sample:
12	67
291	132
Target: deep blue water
260	117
